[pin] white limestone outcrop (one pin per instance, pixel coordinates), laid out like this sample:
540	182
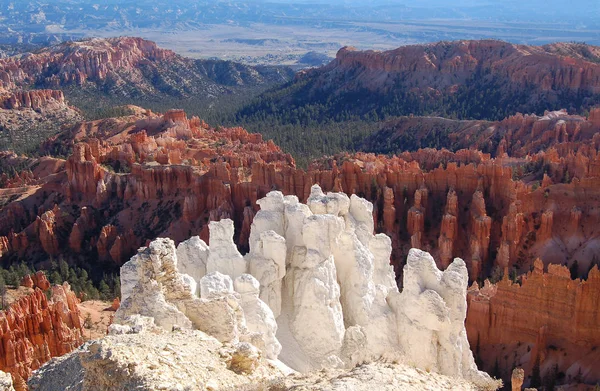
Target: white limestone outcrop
316	290
259	317
192	257
224	256
153	287
431	312
156	290
192	360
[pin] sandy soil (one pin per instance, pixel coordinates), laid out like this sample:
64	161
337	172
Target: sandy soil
100	317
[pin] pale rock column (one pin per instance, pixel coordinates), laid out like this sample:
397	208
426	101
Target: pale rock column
192	257
294	213
259	317
266	262
151	282
431	311
268	218
218	312
317	321
224	256
516	379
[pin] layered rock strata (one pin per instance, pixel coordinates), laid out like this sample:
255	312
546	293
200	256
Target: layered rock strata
554	303
127	65
34	329
176	176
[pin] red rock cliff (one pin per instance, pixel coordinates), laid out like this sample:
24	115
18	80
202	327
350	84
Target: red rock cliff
443	65
548	312
35	329
35	99
94	59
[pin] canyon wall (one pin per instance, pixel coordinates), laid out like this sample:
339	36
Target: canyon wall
34	329
517	136
443	65
546	316
34	99
148	175
128	66
79	61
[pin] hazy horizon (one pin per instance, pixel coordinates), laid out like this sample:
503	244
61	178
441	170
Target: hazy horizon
280	32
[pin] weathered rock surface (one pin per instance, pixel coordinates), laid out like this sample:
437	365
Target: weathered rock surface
454	62
445	78
30	116
221	174
36	280
129	64
547	316
518	135
430	316
6	383
338	303
183	359
35	329
375	376
207	175
34	99
148	362
516	379
333	274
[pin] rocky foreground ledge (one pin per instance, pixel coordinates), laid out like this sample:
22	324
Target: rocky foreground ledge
191	360
313	304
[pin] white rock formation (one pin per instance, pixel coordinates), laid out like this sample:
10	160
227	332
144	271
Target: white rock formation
155	290
153	287
315	293
192	360
174	361
267	263
224	256
268	218
6	383
320	290
259	317
431	312
192	257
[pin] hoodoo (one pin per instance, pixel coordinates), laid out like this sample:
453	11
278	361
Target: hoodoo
317	265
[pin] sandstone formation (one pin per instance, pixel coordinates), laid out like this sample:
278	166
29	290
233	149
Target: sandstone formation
519	135
206	175
126	65
516	379
34	329
37	280
324	268
560	327
34	99
222	174
443	65
27	117
133	179
447	79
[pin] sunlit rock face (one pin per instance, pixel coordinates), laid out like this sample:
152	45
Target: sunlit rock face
315	291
